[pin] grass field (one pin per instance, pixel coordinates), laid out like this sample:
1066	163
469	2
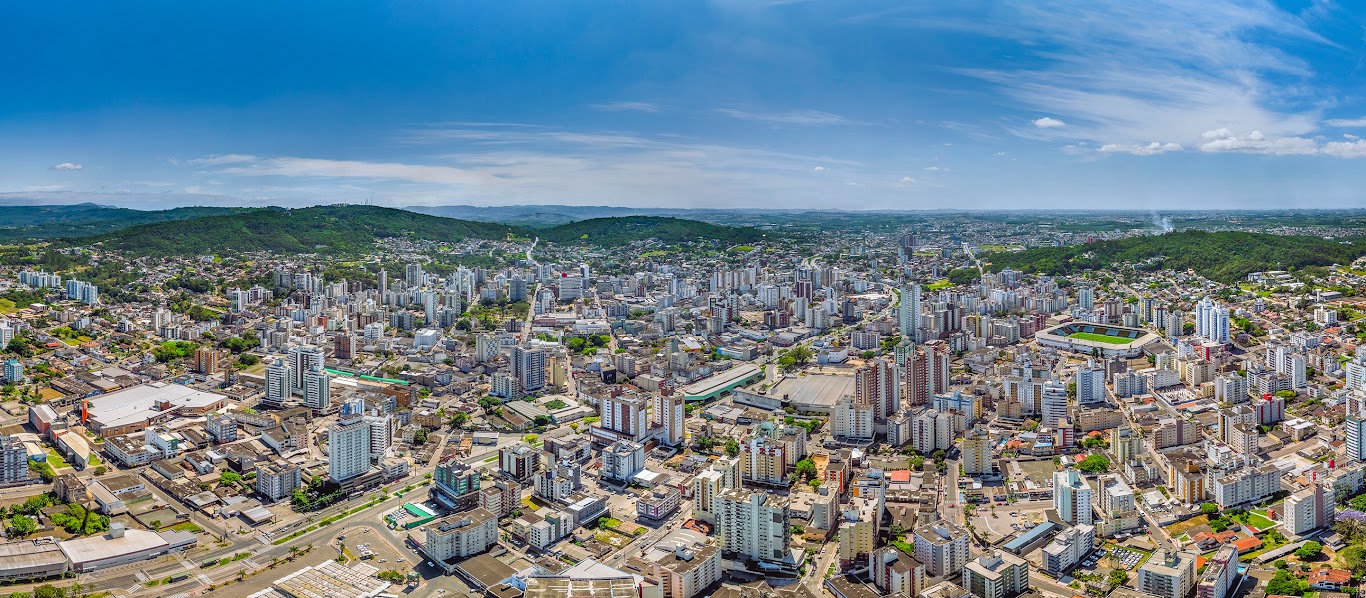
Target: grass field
1100	338
938	285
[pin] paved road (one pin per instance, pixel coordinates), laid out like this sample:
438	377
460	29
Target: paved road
1047	585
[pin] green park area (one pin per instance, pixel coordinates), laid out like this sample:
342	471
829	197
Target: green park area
1101	338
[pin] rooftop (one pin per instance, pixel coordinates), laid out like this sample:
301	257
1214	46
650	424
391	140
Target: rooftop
140	403
813	389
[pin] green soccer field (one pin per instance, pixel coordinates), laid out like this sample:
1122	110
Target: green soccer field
1101	338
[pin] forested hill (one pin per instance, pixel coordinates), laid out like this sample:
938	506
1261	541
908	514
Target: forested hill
1225	256
350	228
322	229
626	229
19	223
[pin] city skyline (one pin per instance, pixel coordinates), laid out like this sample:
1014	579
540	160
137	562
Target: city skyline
814	105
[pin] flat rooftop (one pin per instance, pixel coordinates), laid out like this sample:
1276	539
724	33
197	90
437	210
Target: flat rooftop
98	548
711	384
331	579
29	555
140	403
560	587
813	389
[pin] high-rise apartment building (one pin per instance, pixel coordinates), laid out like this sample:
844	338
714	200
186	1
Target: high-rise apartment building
529	368
348	447
278	381
755	524
875	384
317	388
302	359
519	461
996	575
976	453
669	414
942	547
1072	497
1169	574
13	460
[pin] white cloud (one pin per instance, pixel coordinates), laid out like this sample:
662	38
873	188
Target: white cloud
219	159
315	167
626	107
1346	123
492	164
1224	140
1346	149
67	166
1048	123
999	154
906	180
1125	73
1151	149
936	169
791	117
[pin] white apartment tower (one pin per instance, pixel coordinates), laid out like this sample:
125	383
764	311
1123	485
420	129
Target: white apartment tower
1072	497
317	389
278	378
754	524
302	359
348	447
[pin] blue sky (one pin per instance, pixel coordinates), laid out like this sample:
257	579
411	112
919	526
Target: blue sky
731	103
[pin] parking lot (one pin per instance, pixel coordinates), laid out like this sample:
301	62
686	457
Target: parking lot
1008	519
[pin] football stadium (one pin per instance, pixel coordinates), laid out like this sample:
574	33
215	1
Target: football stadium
1087	338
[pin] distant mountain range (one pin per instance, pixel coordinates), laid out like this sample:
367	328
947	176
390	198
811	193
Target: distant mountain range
353	229
23	222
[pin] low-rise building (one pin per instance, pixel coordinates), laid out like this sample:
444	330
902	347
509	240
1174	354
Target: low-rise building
450	539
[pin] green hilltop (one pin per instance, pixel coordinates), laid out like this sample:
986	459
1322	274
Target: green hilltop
1224	256
21	223
320	229
340	229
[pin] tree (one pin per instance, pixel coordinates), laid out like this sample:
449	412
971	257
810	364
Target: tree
1117	578
1354	557
1094	464
706	443
22	525
1285	584
806	469
101	470
1209	508
732	447
48	590
1309	550
420	437
230	477
460	419
815	484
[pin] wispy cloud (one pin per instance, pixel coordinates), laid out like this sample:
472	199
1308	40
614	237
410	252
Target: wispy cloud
626	107
549	165
67	166
791	117
1150	149
1122	73
1346	123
